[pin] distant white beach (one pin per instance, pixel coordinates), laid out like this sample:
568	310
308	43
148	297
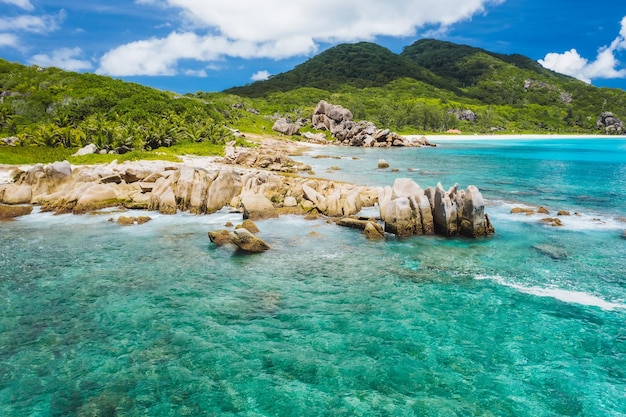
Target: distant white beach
440	138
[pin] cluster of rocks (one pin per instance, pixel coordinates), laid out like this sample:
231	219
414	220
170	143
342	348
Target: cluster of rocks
130	220
172	187
243	237
338	120
552	221
271	155
166	187
408	210
611	124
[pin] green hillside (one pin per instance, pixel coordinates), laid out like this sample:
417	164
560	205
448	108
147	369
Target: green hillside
454	62
56	108
418	89
357	65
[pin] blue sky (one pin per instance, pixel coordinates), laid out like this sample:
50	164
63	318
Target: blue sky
209	45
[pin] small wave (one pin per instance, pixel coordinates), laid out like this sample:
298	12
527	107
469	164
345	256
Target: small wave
567	296
578	221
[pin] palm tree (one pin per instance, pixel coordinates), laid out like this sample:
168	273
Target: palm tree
47	135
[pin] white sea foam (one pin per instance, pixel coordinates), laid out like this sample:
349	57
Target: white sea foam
5	177
579	221
567	296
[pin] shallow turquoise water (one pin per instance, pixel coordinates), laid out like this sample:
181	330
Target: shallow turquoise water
97	319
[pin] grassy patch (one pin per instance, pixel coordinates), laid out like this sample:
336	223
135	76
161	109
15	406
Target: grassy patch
17	155
194	148
156	155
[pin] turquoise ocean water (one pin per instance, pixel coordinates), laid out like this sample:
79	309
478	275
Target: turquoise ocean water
153	320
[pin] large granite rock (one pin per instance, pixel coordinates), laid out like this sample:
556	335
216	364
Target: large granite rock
257	206
226	186
16	194
94	197
406	209
285	127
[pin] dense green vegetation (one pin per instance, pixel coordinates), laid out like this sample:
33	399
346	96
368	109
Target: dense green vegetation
55	108
426	88
509	93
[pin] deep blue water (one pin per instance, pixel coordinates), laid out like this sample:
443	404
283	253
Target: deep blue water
153	320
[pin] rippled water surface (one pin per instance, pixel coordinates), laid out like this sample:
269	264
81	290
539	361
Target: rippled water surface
153	320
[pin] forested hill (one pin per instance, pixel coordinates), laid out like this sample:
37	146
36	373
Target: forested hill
453	62
357	65
420	87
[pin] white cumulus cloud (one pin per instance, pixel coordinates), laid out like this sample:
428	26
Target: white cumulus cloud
65	58
214	29
33	24
24	4
260	75
8	40
605	65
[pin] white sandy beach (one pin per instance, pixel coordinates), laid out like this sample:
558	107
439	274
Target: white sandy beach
442	138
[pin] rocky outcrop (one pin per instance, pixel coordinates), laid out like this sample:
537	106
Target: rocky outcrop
465	115
338	120
285	127
405	208
610	124
408	210
332	199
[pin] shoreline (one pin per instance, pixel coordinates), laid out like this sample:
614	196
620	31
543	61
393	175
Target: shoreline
525	136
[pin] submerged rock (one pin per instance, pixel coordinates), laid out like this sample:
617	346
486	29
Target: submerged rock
553	252
129	221
552	221
522	210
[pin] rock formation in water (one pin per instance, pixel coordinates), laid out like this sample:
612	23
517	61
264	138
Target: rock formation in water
338	120
408	210
167	187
